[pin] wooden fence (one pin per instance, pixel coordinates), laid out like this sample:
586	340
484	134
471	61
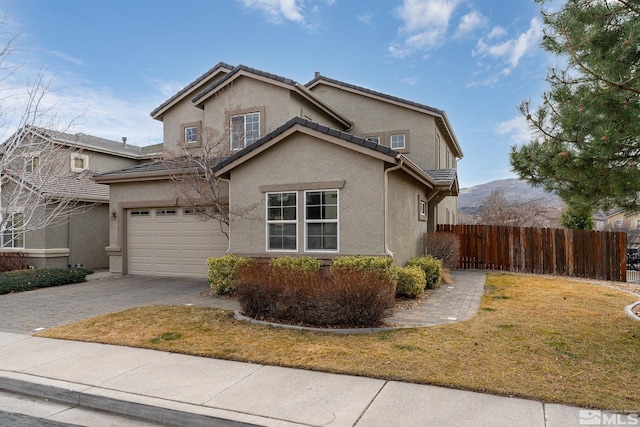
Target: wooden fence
591	254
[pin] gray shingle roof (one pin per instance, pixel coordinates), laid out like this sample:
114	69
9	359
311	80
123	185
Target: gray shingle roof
320	77
311	125
196	82
77	186
443	176
235	71
95	143
157	166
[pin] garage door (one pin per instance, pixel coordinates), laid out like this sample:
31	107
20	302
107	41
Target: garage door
171	242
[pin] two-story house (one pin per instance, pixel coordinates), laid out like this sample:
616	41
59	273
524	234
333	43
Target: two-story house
322	169
55	214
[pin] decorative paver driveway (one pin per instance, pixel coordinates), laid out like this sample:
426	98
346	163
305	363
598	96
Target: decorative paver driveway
28	312
25	312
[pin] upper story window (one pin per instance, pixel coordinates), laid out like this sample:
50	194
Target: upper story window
79	162
191	135
397	141
245	130
618	223
32	164
374	139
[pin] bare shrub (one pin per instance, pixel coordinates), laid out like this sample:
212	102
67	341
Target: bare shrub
443	246
12	261
344	299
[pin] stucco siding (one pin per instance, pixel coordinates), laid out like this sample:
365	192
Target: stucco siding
182	113
89	236
405	227
293	163
371	117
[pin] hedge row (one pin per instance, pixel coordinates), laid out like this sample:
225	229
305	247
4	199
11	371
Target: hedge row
26	280
409	281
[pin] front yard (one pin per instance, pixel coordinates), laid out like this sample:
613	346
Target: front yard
548	339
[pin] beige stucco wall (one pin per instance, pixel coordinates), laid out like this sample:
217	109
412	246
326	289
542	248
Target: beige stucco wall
299	160
183	112
405	227
89	235
374	117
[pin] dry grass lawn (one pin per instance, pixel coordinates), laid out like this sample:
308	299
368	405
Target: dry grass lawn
542	338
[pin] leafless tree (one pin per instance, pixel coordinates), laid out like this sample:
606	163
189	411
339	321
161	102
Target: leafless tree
34	173
197	186
497	210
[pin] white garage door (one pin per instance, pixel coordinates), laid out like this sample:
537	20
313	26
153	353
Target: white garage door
171	242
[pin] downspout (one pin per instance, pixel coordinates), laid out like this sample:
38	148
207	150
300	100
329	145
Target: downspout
228	181
386	206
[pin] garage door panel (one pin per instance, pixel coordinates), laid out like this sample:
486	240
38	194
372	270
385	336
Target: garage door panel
172	244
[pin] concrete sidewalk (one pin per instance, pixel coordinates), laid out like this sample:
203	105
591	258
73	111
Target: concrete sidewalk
178	390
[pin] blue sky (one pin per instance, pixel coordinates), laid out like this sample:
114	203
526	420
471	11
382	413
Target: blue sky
112	62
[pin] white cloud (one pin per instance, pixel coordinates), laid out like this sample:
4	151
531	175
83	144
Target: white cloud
277	11
471	22
365	18
165	87
424	25
517	129
66	57
508	53
497	32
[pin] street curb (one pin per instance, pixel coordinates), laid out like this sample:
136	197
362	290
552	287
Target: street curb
165	412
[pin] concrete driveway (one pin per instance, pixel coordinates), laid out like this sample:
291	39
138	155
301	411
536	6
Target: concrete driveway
27	312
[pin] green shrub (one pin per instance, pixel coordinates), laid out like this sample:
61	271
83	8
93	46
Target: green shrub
222	272
26	280
411	281
432	268
365	263
305	263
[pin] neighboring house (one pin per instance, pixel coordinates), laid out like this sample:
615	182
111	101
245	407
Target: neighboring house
619	220
77	236
322	169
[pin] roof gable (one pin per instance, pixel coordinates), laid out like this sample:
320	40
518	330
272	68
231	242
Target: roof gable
244	71
298	124
440	115
214	73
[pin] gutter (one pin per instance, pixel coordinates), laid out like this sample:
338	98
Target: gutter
386	205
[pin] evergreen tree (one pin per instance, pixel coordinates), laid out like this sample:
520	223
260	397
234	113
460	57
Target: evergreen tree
587	130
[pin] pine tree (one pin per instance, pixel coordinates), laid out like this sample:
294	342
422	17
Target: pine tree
587	130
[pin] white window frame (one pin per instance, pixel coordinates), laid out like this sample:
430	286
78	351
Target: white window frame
280	221
239	140
14	234
335	220
618	223
32	164
191	135
397	146
85	162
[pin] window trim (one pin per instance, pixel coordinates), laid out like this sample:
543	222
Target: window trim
269	222
32	164
243	137
404	141
191	125
18	234
85	162
244	112
322	221
423	208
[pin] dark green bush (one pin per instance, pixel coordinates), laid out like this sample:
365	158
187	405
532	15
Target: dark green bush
411	281
432	268
222	272
26	280
348	299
